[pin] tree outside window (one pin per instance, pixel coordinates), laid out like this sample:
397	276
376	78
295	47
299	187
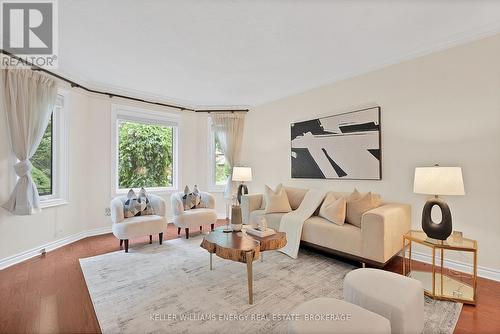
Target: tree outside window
42	162
222	169
145	155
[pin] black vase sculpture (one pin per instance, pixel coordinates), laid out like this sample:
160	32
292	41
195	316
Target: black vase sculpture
242	190
439	231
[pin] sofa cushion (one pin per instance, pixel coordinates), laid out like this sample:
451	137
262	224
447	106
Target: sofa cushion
345	238
273	219
333	209
276	200
356	209
295	196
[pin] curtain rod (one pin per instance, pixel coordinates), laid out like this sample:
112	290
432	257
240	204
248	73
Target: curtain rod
111	95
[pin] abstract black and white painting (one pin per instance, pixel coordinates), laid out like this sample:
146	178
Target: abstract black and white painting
343	146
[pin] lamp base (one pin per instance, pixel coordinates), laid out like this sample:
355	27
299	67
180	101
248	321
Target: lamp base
439	231
242	190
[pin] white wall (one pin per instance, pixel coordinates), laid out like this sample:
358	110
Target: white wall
440	108
90	173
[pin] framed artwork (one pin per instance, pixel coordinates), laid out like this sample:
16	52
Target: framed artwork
342	146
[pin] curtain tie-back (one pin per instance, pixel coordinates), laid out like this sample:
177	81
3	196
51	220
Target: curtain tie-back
22	168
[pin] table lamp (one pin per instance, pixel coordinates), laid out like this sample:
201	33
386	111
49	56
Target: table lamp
242	174
437	181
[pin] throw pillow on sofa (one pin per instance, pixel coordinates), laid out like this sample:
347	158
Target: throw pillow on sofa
354	196
356	209
277	200
295	196
333	209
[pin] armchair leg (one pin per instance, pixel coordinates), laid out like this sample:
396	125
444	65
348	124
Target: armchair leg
150	239
187	232
178	231
160	237
126	245
212	227
121	243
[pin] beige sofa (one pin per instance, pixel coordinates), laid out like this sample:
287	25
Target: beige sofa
375	243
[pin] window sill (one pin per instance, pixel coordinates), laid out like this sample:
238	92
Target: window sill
156	191
48	203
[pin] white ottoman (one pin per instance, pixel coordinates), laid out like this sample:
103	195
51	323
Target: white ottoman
395	297
329	315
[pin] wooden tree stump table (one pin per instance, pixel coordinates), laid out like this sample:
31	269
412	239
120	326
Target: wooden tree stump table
241	247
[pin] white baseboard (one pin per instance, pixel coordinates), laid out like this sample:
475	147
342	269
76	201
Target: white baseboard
26	255
484	272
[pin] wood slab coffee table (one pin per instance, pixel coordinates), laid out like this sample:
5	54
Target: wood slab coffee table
241	247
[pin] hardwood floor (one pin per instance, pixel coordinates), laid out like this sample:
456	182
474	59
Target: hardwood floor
48	294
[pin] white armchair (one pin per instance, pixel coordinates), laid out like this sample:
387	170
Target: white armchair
138	226
195	217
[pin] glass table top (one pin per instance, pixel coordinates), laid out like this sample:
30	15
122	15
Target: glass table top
453	242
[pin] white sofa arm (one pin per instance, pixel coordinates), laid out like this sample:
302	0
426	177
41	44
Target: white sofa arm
158	204
382	230
116	206
249	203
176	203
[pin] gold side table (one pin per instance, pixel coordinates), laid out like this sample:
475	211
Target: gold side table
439	285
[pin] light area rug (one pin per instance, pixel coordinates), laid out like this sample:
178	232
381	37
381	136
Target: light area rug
169	288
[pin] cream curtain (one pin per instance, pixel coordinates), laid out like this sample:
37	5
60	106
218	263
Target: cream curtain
228	127
27	99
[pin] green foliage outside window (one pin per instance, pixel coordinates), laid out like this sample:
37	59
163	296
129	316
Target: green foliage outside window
145	155
42	163
222	169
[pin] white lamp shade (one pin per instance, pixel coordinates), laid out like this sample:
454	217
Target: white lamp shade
438	181
242	174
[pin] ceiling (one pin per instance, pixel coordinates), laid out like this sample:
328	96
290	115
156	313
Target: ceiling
245	53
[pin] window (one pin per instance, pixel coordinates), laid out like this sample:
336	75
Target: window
219	168
42	162
50	159
145	150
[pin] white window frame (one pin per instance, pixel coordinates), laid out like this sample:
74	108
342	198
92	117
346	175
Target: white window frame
145	116
60	121
212	186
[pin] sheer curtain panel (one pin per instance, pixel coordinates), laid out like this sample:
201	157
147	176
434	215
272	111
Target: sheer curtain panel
228	127
27	99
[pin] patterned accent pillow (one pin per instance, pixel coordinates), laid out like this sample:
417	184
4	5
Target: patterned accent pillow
130	207
197	198
187	200
144	204
191	200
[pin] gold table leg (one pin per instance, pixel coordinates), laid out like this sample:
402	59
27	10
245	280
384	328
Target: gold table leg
442	260
404	251
261	256
433	271
249	257
210	261
475	276
409	256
